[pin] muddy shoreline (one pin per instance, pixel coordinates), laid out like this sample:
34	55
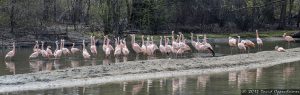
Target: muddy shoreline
138	70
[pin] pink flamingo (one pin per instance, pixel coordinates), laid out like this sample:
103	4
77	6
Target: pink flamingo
43	51
35	54
205	41
11	53
280	49
197	43
36	46
258	40
73	49
49	51
192	40
175	44
58	52
143	48
203	47
135	46
104	43
148	47
232	43
161	46
288	39
65	51
125	50
93	46
241	45
108	49
183	43
85	53
248	44
118	48
167	46
154	47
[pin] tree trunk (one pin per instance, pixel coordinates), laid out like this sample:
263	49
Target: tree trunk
290	11
46	10
12	16
254	15
55	11
87	12
282	14
129	9
298	22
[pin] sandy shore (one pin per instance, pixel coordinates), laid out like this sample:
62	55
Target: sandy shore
137	70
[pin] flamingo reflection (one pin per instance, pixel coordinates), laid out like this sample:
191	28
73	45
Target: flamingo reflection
288	71
35	65
106	61
137	88
177	85
202	81
232	77
74	63
11	66
258	74
56	64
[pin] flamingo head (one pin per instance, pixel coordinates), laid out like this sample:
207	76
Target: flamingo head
56	42
160	37
239	36
173	32
42	42
284	34
256	30
36	42
276	47
49	47
124	41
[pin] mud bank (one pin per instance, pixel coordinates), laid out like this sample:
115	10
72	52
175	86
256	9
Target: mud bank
138	70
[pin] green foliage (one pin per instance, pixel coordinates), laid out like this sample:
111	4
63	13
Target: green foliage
152	16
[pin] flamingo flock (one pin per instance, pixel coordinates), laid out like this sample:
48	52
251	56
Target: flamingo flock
177	46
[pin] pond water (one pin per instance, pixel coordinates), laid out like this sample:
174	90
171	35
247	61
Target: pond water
280	76
283	76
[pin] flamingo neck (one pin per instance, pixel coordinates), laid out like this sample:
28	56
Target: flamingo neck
42	46
204	39
56	46
14	47
192	37
83	45
160	41
61	44
91	40
257	34
104	40
143	41
166	43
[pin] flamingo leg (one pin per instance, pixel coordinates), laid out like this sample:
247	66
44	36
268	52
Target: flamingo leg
231	50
